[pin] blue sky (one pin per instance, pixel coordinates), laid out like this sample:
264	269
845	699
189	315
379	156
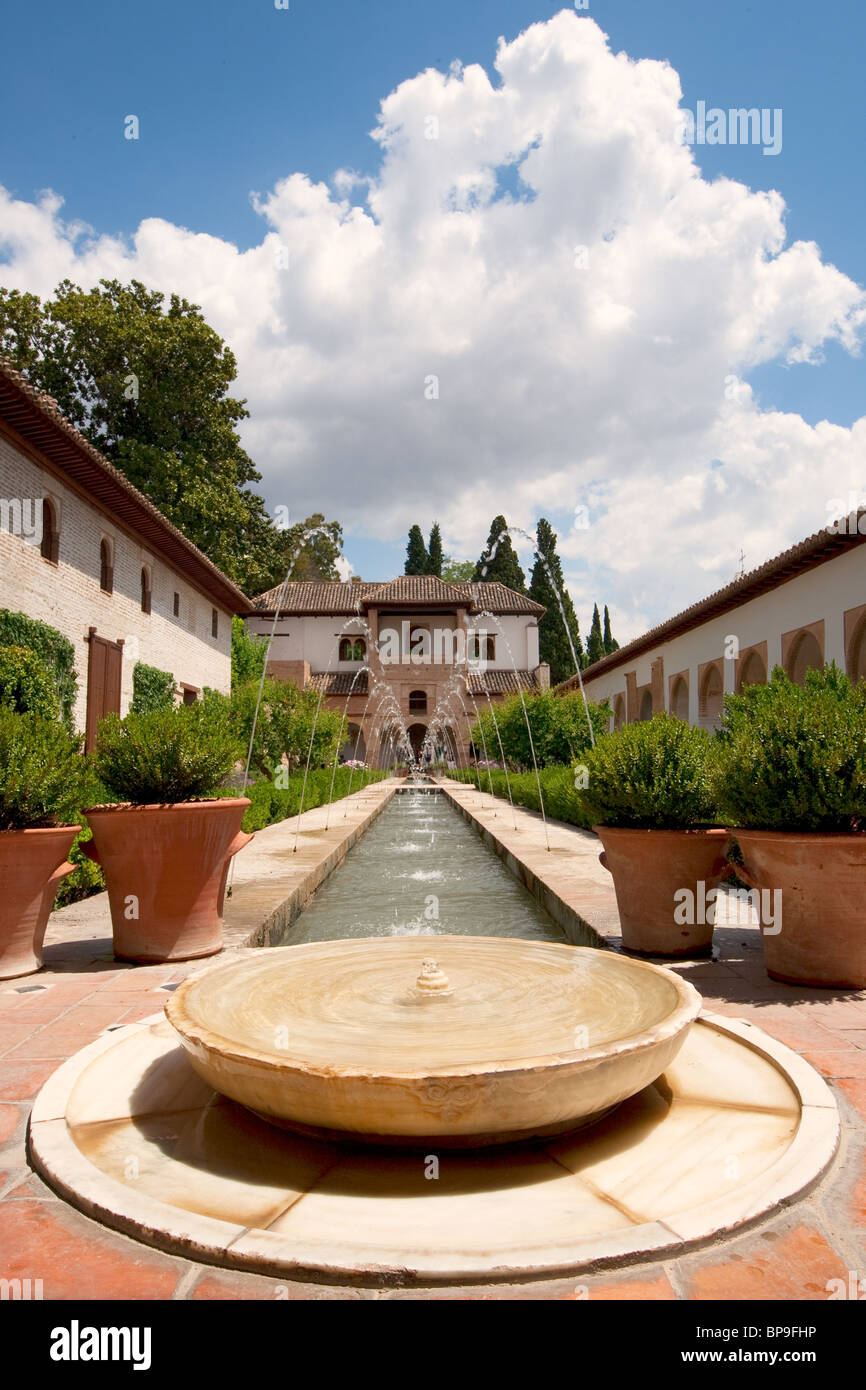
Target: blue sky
234	97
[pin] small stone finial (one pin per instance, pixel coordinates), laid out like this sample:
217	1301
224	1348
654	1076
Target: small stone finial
432	979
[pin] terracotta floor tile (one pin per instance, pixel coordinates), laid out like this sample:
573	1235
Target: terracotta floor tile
642	1290
855	1089
848	1063
21	1080
77	1259
796	1266
234	1284
9	1117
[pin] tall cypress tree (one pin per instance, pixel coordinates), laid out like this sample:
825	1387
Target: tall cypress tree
434	552
609	641
552	639
595	645
417	558
504	566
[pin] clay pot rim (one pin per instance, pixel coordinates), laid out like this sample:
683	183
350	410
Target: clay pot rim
42	829
807	836
195	1036
227	801
716	830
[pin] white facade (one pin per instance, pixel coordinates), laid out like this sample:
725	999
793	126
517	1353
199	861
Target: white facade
817	615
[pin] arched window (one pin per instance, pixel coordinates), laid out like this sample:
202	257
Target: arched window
646	706
753	671
417	701
857	657
50	547
106	568
619	712
712	697
353	649
146	595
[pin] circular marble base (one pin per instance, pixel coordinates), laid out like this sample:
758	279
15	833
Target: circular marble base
127	1132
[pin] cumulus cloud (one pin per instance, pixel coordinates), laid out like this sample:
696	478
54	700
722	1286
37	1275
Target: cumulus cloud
536	303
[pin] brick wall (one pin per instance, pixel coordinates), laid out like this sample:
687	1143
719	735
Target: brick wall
68	596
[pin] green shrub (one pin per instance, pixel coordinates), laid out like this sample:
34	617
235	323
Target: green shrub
168	755
287	719
271	803
152	689
652	775
562	799
55	650
560	732
44	780
248	654
26	684
792	757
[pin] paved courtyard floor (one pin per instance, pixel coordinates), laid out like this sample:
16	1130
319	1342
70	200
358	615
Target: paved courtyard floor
83	992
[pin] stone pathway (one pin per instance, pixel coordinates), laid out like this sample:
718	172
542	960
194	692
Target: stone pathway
83	992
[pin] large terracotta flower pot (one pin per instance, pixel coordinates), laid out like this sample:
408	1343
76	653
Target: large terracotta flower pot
651	869
165	869
32	863
822	882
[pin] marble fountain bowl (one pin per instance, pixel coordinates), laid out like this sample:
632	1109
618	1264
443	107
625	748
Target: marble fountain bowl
453	1040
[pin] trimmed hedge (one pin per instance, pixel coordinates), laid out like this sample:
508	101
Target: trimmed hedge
655	775
171	755
792	757
562	799
271	804
55	650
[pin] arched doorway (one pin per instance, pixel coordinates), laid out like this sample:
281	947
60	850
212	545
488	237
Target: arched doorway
805	655
753	671
680	699
857	655
416	737
619	712
712	695
646	706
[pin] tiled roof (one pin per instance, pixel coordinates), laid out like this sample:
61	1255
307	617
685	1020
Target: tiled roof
502	682
325	597
815	550
36	417
338	682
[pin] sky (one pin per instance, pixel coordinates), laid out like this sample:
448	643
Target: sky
468	264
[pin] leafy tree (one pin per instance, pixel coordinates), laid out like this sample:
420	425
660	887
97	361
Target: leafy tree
457	571
595	644
503	566
417	559
608	640
147	381
560	732
308	550
552	638
434	551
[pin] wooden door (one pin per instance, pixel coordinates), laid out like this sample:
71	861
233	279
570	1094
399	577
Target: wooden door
103	683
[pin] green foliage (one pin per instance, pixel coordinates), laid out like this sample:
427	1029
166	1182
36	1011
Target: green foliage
655	775
271	803
562	800
248	654
609	641
595	642
181	754
552	637
792	757
560	733
499	562
26	684
457	571
53	649
417	558
152	689
285	725
44	780
87	879
434	551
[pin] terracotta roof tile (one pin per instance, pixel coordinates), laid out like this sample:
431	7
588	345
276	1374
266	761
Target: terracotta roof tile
327	597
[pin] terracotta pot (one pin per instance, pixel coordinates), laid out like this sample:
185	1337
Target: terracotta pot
649	867
165	869
32	863
822	880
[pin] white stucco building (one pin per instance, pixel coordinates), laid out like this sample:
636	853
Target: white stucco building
84	551
438	649
803	608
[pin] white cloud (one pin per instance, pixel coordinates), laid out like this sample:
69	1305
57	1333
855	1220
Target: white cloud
558	385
